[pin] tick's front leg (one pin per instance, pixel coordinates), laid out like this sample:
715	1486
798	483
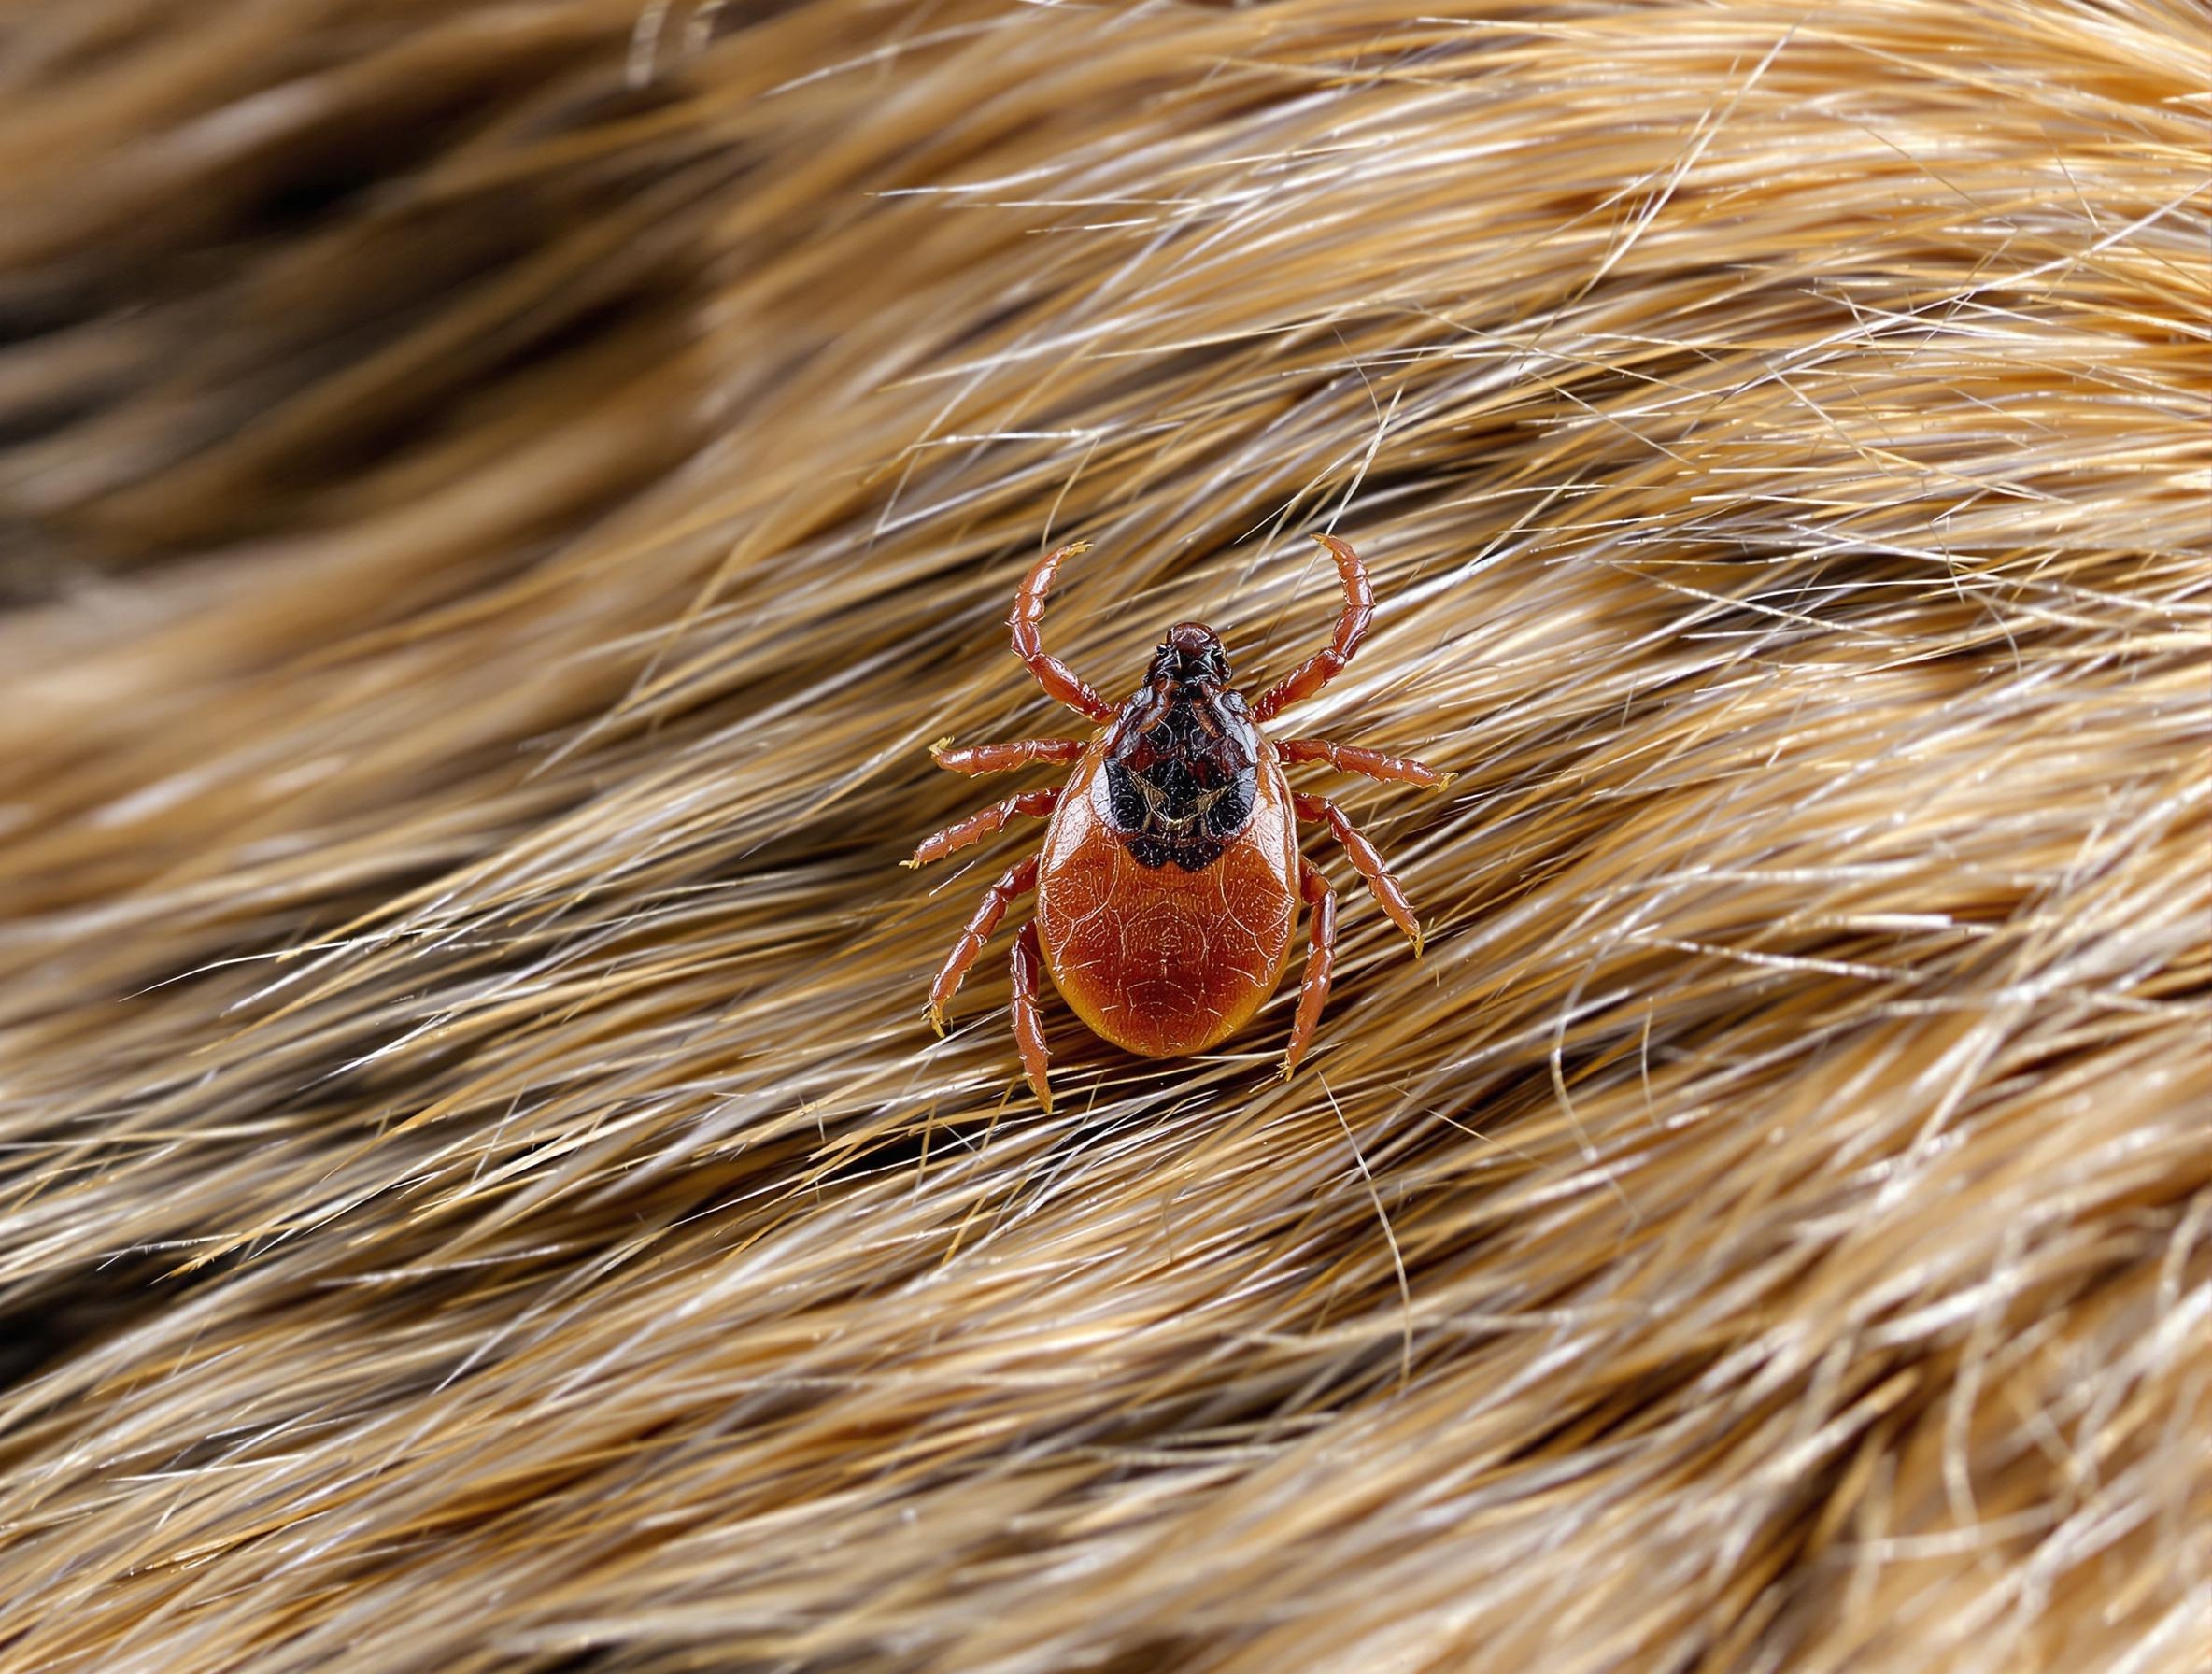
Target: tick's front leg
1019	880
1029	1025
1365	860
1369	764
1321	961
1325	664
1061	683
1003	757
1038	804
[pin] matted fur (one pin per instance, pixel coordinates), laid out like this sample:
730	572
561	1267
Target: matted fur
497	500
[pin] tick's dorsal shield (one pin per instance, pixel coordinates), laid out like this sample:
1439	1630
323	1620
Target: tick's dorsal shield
1182	766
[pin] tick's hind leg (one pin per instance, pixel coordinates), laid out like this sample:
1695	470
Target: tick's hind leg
1038	804
1059	681
1321	961
1365	860
1019	880
1028	1027
1367	765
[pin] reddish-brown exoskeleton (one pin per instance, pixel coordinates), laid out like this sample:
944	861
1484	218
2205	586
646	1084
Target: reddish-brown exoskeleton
1170	881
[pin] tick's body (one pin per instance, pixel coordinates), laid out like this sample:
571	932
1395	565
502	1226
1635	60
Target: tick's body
1170	881
1159	958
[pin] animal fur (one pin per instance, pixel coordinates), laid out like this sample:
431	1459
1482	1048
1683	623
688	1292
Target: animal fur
497	500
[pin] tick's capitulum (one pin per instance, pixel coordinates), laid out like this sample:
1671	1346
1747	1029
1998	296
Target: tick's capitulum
1170	881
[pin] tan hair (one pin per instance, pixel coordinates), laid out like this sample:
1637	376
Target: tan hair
497	502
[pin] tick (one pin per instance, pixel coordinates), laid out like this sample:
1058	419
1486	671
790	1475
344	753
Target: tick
1170	881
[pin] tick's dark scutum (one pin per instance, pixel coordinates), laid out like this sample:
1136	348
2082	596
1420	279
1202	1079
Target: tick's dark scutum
1183	770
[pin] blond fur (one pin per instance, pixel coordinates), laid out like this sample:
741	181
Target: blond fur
497	502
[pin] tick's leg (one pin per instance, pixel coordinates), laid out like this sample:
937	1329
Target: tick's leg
1365	860
1321	961
1369	764
1003	757
1028	1028
1059	681
1019	880
976	827
1318	670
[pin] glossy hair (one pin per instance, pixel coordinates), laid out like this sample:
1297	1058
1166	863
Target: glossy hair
495	501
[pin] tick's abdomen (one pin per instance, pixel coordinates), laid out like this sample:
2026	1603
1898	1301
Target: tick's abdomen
1159	960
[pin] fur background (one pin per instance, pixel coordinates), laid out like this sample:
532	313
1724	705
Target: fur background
495	500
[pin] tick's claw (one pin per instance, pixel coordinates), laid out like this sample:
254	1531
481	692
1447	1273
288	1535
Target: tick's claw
936	1021
939	746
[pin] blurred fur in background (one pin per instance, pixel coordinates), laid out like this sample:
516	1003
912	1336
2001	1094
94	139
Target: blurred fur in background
495	501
